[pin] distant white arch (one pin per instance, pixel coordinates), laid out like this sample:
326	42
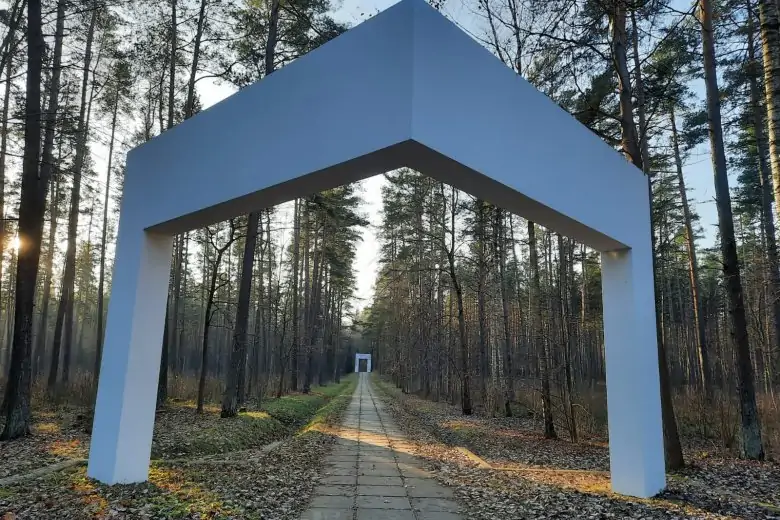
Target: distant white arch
405	88
358	358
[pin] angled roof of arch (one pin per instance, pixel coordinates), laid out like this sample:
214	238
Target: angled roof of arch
405	88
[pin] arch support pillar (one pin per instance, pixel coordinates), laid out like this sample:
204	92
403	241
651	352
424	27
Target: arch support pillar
130	366
636	448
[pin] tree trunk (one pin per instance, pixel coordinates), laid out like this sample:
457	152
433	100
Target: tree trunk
314	311
629	142
767	217
189	106
306	292
43	324
103	238
47	169
162	378
769	21
693	267
65	309
296	248
209	314
465	355
568	331
509	389
537	336
672	447
11	48
481	316
172	65
31	213
752	447
9	45
238	354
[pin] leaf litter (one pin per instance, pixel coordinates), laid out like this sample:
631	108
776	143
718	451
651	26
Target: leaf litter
536	478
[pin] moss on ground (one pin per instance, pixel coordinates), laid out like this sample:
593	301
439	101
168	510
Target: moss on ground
181	432
214	491
295	410
341	395
246	430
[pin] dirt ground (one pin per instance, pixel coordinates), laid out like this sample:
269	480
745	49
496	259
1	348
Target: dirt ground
532	477
255	466
205	467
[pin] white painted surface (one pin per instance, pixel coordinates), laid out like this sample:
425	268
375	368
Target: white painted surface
636	447
127	390
405	88
358	358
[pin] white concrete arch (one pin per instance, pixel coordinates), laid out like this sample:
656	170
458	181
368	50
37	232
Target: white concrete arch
405	88
359	357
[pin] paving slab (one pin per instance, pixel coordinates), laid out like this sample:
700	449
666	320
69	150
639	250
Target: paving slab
331	470
377	469
377	459
319	513
341	490
332	502
353	458
331	480
382	491
386	514
373	502
370	474
342	464
368	480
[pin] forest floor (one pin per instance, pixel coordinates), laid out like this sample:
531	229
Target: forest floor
202	466
207	467
518	474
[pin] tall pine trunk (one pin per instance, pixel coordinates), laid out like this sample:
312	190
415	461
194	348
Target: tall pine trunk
238	354
209	312
769	20
31	212
64	325
693	267
103	239
537	336
465	355
296	338
47	170
752	447
10	37
306	290
635	148
162	387
568	331
767	217
509	390
43	323
481	314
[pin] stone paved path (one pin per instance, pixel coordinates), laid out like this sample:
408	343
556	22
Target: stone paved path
370	474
